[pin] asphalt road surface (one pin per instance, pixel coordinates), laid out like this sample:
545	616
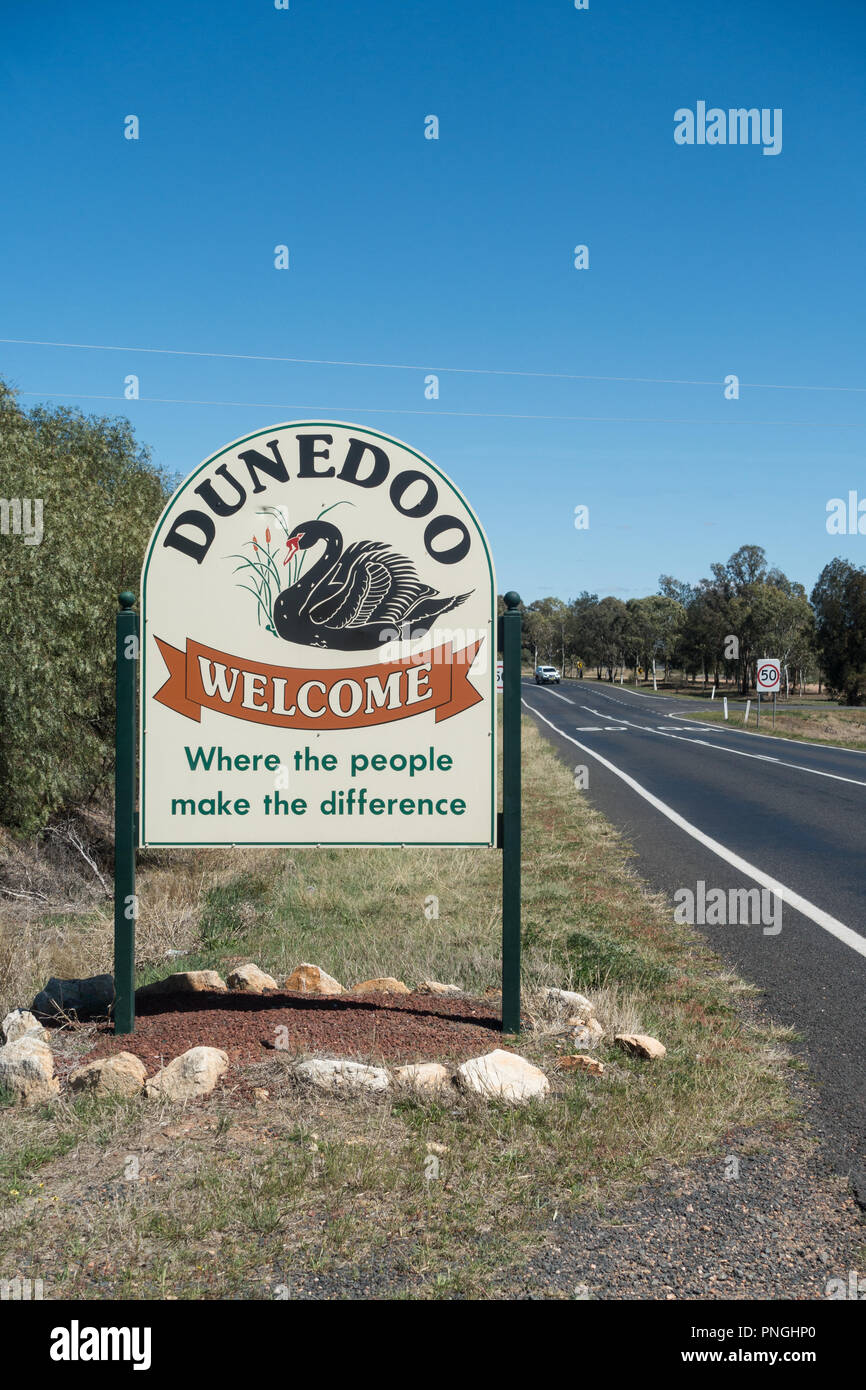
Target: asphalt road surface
729	809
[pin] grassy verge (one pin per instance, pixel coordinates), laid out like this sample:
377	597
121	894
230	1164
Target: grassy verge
844	728
224	1199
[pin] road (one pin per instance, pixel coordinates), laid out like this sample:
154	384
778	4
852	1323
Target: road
731	809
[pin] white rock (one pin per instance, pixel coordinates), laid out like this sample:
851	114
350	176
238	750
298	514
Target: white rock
382	984
340	1075
186	982
503	1075
311	979
591	1023
193	1073
590	1032
249	979
570	999
123	1074
641	1045
436	987
19	1023
27	1070
423	1076
580	1062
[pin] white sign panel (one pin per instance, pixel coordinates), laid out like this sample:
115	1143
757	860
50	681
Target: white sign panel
318	608
769	675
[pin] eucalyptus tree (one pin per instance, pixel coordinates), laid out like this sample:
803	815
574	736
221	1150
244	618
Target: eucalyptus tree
839	600
99	496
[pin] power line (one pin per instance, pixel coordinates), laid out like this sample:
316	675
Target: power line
463	414
407	367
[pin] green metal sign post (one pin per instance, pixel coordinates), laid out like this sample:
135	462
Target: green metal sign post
125	902
510	833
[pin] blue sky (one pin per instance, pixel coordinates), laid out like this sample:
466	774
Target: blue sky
306	127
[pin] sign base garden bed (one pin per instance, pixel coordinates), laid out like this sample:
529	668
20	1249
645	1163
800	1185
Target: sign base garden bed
377	1027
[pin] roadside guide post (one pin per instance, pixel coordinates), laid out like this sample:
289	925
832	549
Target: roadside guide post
510	837
124	816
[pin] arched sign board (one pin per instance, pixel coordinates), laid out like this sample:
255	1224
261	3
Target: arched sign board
317	652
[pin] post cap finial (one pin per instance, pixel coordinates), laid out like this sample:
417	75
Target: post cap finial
512	600
126	599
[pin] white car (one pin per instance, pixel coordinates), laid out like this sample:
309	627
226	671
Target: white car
546	675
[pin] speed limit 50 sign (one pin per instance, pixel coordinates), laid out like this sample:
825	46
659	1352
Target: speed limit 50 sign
769	676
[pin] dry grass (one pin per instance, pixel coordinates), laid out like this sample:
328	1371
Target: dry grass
227	1200
57	914
236	1200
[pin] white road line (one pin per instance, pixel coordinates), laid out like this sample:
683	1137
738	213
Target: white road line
739	753
600	714
779	738
557	696
644	694
794	900
600	729
759	757
721	748
750	733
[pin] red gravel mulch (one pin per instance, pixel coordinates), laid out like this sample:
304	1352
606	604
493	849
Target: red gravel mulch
377	1027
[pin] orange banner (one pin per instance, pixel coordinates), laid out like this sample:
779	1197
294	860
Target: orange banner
297	698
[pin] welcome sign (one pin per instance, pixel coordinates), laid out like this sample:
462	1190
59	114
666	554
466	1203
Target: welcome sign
318	608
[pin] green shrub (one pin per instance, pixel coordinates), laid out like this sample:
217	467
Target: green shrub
101	497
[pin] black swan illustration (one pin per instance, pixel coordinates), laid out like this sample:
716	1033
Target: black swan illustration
357	598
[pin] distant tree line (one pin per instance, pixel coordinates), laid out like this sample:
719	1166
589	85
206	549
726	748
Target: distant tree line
716	631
